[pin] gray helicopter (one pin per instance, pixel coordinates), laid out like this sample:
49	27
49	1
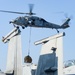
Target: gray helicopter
33	21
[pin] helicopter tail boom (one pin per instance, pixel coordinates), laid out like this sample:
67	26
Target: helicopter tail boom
65	24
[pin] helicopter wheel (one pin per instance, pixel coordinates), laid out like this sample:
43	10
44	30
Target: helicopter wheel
23	27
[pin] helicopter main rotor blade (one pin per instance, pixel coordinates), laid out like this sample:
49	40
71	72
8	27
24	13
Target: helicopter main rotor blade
31	7
12	12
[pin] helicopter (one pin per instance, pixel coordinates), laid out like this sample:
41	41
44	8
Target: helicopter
33	21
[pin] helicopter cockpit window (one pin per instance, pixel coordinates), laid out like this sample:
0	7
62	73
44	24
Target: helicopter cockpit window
18	18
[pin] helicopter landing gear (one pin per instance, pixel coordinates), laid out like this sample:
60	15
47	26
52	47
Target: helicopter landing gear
15	26
23	27
57	31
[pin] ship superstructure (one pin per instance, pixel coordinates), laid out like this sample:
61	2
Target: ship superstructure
50	59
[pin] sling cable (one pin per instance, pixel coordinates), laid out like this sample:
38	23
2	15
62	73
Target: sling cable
27	58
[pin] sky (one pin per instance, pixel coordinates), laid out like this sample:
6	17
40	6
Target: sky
54	11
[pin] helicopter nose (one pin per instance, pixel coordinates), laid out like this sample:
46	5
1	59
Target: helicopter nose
12	21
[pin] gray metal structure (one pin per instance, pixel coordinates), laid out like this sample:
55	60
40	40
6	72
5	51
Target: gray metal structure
51	56
14	58
50	60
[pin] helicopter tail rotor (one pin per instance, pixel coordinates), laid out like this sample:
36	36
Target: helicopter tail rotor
66	24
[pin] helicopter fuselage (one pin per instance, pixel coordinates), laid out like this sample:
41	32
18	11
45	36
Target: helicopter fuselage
34	21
